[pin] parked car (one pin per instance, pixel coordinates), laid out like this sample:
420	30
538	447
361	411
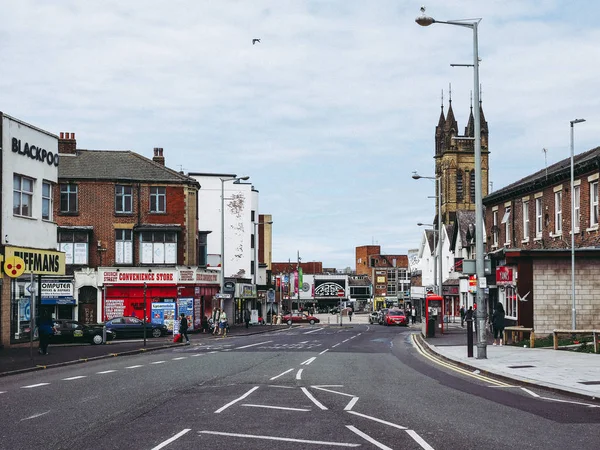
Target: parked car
71	331
395	317
334	310
374	317
300	318
126	327
381	317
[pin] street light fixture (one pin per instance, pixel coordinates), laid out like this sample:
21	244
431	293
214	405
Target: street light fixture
223	180
573	310
425	21
440	277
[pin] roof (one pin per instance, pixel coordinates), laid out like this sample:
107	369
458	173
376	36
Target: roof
117	165
582	163
464	226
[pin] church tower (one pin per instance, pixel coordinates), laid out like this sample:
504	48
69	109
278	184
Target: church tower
455	162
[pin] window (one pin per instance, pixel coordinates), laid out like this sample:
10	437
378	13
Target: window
391	276
75	244
506	222
511	302
538	217
577	195
22	195
525	221
68	198
558	212
594	204
46	200
158	247
252	216
391	289
123	247
495	228
459	186
252	240
158	199
123	199
472	186
202	249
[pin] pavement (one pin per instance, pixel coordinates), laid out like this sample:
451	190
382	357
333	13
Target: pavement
562	371
26	359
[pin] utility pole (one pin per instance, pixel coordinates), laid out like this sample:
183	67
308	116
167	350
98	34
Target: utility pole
298	271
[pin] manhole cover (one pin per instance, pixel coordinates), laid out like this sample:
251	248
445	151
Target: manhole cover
589	383
519	367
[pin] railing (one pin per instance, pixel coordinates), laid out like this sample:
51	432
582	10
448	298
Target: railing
595	336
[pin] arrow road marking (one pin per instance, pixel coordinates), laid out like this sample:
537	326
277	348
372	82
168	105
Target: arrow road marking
275	438
308	361
314	400
368	438
223	408
283	373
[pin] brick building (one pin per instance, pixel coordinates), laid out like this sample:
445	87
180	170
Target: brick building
128	226
528	227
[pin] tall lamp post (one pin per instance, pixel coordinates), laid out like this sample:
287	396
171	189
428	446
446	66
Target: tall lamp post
425	21
440	275
223	180
256	224
573	309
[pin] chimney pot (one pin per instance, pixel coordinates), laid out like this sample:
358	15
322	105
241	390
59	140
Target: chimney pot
62	135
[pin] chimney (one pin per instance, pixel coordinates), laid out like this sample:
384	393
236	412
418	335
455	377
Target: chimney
67	143
158	156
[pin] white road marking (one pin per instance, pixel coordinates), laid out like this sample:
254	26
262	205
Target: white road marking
533	394
34	416
174	438
252	345
198	354
276	407
2	392
351	404
336	345
327	385
158	362
303	342
333	392
352	337
312	331
180	357
106	371
569	401
74	378
314	400
326	350
223	408
375	419
308	361
275	438
419	440
214	351
299	374
368	438
283	373
34	385
278	386
134	367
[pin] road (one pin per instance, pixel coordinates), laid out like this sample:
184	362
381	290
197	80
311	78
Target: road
357	386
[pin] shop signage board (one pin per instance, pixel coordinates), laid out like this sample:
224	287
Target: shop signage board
57	292
186	306
163	313
37	261
137	276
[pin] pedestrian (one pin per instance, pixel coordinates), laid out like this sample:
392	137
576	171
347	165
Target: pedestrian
215	318
247	317
204	324
469	314
46	331
413	315
498	323
463	313
223	323
183	328
350	312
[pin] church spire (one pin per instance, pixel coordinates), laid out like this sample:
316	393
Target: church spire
470	128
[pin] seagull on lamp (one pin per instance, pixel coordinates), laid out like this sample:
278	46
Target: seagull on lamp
254	41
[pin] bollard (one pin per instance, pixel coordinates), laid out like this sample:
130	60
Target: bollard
104	334
469	338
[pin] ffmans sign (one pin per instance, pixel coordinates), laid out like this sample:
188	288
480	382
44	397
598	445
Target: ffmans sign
39	262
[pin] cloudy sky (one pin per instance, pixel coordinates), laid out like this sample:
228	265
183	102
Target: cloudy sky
328	115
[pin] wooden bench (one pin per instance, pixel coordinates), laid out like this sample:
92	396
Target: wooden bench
595	336
512	331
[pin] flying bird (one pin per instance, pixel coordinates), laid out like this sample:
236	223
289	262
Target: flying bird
254	41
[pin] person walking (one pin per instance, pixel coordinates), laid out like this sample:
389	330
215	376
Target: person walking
216	316
498	323
413	315
204	324
463	313
46	330
223	323
247	317
350	314
183	328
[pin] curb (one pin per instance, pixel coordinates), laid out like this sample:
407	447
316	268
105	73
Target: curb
539	385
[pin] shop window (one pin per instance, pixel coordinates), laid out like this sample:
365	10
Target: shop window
123	247
68	198
46	200
158	199
123	199
22	195
158	247
75	244
20	308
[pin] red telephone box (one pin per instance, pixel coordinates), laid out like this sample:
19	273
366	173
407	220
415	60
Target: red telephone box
434	315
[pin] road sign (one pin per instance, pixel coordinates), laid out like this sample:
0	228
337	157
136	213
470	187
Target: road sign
222	295
341	293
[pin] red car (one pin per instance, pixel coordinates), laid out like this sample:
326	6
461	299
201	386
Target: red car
395	317
300	318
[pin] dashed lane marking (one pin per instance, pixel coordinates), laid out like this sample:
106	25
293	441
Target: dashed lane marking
326	350
158	362
106	371
308	361
35	416
31	386
74	378
134	367
299	374
252	345
180	357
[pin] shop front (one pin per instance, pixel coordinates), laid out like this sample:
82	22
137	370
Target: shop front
451	294
245	298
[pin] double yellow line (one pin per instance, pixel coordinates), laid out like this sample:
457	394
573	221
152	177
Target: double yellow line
454	367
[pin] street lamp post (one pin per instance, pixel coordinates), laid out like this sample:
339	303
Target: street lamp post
573	308
256	224
425	21
223	180
440	275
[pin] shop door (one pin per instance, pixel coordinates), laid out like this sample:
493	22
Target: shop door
88	304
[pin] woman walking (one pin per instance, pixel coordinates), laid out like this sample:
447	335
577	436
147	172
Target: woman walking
498	323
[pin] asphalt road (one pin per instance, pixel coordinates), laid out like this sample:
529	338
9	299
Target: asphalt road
357	386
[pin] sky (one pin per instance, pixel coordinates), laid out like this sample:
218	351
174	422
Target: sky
329	114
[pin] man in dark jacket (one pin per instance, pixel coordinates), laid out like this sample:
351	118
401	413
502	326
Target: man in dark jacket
183	327
247	317
46	330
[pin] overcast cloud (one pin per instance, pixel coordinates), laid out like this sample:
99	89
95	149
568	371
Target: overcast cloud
328	115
